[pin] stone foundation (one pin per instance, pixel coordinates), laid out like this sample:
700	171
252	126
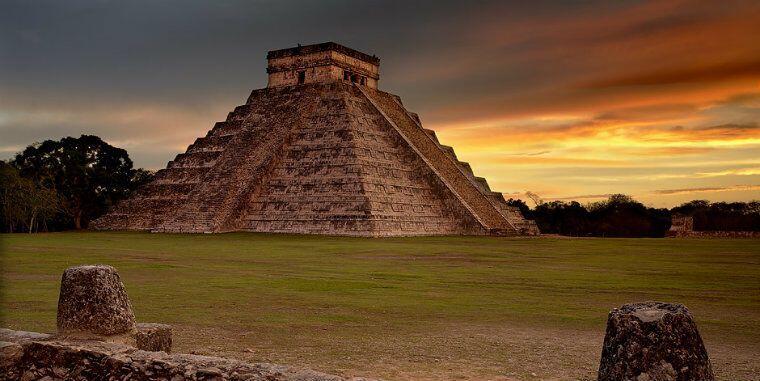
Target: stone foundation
714	234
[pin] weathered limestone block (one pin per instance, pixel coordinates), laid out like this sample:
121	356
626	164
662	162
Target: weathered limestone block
10	335
93	300
154	337
10	357
653	341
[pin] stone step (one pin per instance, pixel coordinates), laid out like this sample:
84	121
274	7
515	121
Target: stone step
432	134
226	128
440	159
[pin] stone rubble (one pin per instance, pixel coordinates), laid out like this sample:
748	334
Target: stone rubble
93	360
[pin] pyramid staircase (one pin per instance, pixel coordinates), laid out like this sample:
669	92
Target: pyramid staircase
488	207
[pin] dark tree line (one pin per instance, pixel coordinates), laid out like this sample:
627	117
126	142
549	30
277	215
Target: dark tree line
622	216
64	184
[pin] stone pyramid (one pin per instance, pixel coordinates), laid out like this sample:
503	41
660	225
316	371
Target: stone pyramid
320	150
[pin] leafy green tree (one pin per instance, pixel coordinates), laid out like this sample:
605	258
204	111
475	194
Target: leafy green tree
88	174
557	217
522	206
24	204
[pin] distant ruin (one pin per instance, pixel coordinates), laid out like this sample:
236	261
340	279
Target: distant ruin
682	226
319	151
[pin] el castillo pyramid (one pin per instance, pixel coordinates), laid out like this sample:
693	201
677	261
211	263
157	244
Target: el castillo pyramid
320	150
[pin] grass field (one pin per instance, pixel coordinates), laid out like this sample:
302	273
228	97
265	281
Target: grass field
405	308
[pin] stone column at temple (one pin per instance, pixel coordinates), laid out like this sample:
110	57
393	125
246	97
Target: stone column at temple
93	304
93	300
653	341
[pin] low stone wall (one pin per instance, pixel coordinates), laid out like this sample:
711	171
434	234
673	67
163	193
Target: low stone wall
683	227
714	234
51	359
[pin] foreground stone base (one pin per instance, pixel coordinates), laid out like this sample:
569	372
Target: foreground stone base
28	358
713	234
154	337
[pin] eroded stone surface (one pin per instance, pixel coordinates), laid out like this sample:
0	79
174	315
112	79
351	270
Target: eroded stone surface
17	336
653	341
154	337
93	300
94	360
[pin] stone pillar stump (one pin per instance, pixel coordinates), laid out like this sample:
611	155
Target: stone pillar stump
653	341
154	337
93	300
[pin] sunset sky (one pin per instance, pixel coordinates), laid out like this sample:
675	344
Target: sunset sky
569	100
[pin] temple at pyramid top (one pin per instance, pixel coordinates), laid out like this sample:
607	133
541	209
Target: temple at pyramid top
322	63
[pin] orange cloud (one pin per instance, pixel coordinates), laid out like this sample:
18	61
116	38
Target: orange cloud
706	73
708	189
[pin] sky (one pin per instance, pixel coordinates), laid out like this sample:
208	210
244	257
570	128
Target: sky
570	100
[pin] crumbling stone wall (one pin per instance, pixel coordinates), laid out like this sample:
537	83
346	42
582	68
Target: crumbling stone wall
683	227
53	360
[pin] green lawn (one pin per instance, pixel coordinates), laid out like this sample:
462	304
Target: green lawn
404	308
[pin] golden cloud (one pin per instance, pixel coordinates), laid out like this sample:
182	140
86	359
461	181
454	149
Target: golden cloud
707	189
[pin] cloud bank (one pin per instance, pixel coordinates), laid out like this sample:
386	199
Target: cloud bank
562	99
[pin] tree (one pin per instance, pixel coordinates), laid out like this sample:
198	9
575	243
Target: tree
557	217
618	216
522	206
11	193
534	197
87	173
23	203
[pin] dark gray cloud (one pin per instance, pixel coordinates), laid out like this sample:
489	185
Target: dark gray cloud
503	81
104	67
